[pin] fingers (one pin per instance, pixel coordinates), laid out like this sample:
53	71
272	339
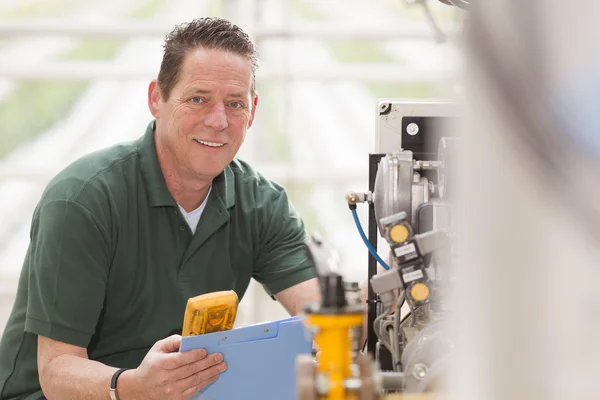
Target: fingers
196	368
170	357
189	392
198	380
168	345
174	361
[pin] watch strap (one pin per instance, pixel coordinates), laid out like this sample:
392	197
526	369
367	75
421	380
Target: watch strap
113	383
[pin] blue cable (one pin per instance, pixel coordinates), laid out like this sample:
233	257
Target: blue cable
364	238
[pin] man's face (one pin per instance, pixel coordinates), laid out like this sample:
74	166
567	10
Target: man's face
203	122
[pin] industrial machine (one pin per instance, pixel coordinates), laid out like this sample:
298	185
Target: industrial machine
410	212
410	200
410	209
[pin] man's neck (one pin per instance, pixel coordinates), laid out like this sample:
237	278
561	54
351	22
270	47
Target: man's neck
189	195
188	192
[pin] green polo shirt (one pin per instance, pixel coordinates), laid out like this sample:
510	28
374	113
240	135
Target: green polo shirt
112	262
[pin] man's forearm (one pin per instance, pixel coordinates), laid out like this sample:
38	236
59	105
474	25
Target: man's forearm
72	377
294	299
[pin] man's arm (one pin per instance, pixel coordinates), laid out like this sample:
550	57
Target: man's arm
66	373
282	263
68	259
294	299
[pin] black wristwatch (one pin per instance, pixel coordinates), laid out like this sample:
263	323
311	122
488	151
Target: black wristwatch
113	384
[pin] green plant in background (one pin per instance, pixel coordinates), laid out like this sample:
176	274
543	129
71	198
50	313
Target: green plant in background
305	10
34	106
94	49
215	9
148	10
273	135
354	51
404	90
299	194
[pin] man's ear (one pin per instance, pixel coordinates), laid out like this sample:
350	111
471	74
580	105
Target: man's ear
254	104
154	98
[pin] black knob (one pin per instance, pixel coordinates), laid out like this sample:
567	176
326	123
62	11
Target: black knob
332	291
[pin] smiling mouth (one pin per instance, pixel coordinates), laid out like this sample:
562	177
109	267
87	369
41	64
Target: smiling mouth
209	144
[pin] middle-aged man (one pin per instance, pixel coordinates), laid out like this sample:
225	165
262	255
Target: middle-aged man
124	236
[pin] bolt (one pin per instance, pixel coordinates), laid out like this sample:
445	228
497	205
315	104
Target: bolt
224	338
419	371
412	129
266	331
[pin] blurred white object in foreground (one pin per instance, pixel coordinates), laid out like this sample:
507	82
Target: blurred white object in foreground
528	295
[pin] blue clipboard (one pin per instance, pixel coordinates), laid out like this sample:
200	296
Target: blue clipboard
261	360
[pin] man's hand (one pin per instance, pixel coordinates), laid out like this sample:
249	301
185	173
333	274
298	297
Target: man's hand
66	372
165	373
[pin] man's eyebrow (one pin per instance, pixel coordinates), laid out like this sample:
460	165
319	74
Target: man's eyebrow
237	95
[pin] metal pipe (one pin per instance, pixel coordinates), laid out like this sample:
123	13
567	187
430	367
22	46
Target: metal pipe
392	380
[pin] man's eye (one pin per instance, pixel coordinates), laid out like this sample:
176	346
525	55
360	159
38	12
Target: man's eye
236	104
196	99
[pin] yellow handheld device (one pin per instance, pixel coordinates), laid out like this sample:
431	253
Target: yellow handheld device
211	312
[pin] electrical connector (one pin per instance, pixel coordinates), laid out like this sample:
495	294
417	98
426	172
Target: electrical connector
384	285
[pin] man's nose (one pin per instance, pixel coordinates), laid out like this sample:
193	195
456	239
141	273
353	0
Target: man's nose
217	117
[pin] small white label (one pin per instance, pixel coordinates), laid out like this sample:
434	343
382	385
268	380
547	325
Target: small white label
412	276
404	250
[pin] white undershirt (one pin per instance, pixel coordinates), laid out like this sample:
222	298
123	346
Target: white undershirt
193	217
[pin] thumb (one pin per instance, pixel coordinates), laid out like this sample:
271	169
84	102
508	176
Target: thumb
169	345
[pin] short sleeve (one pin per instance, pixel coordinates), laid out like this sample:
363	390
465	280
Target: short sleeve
282	256
68	261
